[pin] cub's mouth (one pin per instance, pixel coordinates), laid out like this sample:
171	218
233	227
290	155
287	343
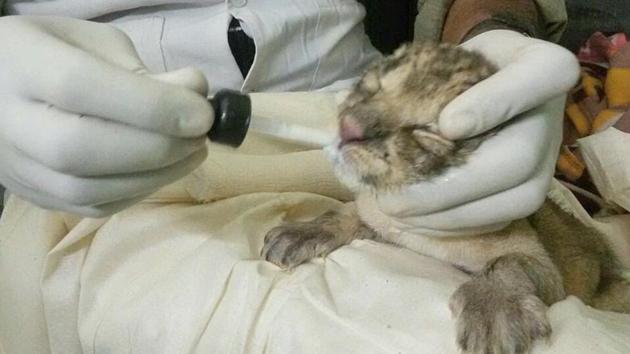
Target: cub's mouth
356	141
343	165
355	159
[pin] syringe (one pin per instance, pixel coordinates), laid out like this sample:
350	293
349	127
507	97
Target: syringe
233	119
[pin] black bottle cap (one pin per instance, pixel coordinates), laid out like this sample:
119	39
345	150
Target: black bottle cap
232	113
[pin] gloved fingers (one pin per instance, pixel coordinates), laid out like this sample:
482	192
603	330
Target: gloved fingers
502	47
532	72
86	191
87	146
100	39
46	201
189	77
502	162
496	209
80	82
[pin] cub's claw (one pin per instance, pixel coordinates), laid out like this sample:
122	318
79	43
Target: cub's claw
290	245
493	320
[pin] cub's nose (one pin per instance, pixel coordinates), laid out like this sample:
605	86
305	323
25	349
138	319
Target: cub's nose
350	130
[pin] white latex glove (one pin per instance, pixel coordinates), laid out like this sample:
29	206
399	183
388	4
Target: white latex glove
83	128
508	177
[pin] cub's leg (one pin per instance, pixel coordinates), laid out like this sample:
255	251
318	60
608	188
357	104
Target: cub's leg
502	309
614	296
580	252
292	244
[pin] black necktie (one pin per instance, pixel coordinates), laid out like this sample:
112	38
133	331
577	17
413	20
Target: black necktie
242	46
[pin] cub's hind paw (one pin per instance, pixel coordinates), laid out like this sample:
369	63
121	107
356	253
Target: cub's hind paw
493	320
290	245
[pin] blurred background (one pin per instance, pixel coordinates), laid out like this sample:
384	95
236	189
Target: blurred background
585	18
589	16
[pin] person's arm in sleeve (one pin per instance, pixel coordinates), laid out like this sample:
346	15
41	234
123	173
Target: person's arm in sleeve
83	127
544	19
508	176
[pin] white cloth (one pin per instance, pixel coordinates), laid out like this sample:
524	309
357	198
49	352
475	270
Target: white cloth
175	277
606	155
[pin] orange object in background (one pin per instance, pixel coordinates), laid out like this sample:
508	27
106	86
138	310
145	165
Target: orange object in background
618	87
570	165
591	85
581	123
605	119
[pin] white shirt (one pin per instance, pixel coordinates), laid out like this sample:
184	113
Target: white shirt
300	44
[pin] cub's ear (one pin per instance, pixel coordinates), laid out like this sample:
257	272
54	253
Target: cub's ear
432	142
365	88
371	82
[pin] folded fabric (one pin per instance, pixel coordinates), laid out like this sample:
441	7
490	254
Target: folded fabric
184	277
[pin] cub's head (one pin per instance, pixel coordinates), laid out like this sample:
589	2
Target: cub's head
388	133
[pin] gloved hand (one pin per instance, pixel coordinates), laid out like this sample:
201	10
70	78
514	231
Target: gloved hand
83	127
508	177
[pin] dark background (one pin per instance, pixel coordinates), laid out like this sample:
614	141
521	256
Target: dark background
588	16
389	23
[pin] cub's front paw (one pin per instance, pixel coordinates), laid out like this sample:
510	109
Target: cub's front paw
495	320
293	244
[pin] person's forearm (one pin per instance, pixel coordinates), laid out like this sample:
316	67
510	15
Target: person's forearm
467	18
